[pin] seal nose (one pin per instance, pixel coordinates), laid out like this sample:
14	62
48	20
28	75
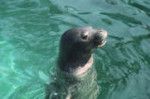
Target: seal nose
102	34
100	37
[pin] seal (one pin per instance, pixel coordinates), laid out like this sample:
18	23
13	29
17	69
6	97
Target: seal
75	76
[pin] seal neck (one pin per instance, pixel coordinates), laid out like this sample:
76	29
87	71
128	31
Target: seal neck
73	61
83	69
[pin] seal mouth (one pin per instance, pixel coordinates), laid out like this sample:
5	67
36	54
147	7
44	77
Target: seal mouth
102	43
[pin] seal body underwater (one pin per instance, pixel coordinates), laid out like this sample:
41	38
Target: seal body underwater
75	77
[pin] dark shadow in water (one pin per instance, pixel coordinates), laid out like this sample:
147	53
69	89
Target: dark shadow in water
141	7
147	27
116	37
125	19
76	15
53	9
80	18
135	40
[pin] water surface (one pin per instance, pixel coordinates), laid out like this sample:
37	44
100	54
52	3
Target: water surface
29	37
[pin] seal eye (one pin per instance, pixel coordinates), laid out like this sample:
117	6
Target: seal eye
84	35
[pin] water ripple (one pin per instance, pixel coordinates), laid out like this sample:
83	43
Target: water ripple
29	42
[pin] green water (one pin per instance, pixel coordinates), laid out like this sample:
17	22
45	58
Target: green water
29	38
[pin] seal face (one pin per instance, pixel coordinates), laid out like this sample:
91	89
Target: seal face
76	47
75	78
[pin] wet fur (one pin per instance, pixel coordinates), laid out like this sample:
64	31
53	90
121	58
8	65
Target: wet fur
75	76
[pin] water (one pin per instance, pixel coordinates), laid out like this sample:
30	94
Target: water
29	36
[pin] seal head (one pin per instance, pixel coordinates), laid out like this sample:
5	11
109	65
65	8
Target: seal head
76	47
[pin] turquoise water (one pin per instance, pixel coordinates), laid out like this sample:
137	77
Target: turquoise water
29	36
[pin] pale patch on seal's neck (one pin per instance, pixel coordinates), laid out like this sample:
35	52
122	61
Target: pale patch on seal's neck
81	70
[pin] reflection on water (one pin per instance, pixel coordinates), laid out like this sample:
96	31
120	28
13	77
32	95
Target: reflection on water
29	39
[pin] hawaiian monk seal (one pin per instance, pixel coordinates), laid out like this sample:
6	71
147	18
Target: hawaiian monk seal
75	76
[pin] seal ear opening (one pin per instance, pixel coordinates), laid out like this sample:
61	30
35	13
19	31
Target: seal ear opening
84	35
